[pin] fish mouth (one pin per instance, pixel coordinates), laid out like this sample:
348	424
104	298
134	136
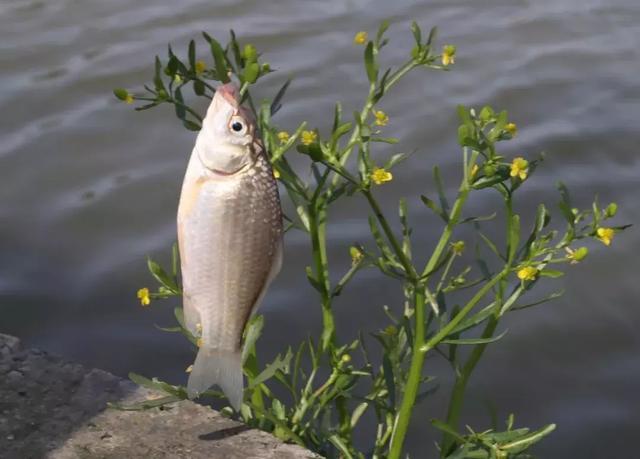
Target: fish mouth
231	94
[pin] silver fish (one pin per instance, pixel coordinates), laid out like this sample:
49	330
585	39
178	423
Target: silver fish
230	239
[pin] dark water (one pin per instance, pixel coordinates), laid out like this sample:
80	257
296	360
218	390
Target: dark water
89	187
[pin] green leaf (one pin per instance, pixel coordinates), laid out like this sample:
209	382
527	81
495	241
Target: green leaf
252	332
279	363
337	116
465	117
446	428
181	111
514	237
389	379
380	242
145	404
491	245
473	341
191	125
389	140
553	273
172	66
121	93
474	320
235	48
220	61
406	230
551	297
565	204
198	87
370	63
192	55
313	151
437	178
384	25
434	207
486	113
394	160
417	33
341	130
433	33
312	280
157	79
170	329
482	218
341	446
357	413
277	100
526	441
160	275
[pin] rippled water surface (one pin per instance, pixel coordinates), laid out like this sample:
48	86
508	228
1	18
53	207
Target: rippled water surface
89	187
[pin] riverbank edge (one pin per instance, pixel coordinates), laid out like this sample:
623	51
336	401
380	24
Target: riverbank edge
55	409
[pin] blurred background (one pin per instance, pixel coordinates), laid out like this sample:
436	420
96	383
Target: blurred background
90	188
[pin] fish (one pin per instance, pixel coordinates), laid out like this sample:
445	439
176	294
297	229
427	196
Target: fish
230	238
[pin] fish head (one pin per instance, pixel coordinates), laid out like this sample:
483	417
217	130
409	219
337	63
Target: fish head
225	143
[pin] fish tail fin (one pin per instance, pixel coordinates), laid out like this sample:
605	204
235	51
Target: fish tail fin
221	367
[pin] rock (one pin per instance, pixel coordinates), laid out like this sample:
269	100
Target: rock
53	409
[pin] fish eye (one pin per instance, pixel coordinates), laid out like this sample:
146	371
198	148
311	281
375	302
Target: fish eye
237	125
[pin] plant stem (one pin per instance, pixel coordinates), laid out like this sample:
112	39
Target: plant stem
413	381
419	351
454	216
317	227
417	360
457	394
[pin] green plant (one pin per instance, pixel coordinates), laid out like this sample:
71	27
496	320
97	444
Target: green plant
330	388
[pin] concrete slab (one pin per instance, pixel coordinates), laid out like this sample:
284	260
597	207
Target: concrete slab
54	409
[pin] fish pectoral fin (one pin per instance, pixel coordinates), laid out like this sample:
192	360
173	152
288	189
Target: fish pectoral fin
221	367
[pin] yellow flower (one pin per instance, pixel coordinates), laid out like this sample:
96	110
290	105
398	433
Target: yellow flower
276	174
605	235
309	137
360	38
519	168
177	79
199	342
448	55
380	176
512	129
381	118
143	296
474	170
283	136
356	255
458	247
189	369
577	255
528	273
128	98
201	66
346	358
199	328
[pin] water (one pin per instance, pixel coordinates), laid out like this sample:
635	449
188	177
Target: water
89	188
